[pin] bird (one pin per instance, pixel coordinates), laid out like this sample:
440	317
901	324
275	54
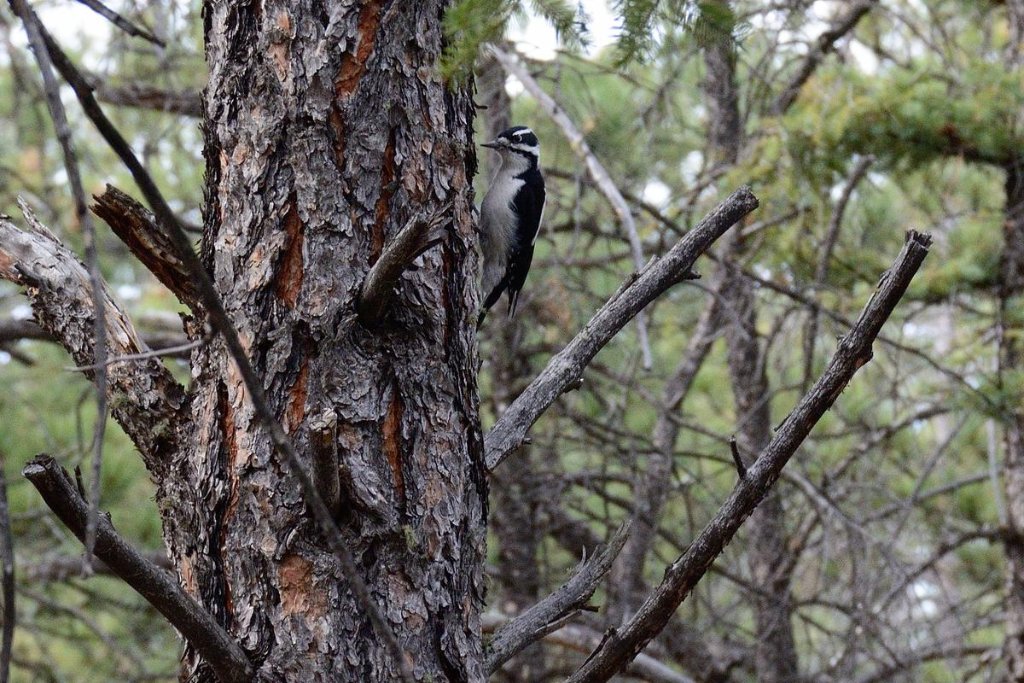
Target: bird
510	217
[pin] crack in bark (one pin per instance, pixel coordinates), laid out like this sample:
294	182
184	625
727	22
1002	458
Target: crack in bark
288	283
383	206
391	435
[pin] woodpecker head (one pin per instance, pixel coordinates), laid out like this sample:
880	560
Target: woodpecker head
517	140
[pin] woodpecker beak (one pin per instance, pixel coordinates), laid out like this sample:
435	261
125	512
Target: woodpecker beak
494	144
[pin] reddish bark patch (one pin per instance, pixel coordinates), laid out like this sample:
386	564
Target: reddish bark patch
295	577
391	431
296	410
383	207
289	273
352	66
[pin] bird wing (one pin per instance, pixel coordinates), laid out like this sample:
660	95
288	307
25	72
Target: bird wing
529	206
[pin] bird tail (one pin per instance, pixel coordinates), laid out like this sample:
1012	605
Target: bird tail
513	302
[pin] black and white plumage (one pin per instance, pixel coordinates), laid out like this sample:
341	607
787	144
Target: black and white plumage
510	217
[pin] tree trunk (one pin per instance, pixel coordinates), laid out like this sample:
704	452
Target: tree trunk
327	126
1011	296
770	566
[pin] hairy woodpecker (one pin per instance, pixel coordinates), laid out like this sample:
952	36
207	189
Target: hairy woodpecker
510	217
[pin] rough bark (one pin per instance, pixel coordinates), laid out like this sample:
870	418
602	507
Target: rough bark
1011	355
145	398
326	128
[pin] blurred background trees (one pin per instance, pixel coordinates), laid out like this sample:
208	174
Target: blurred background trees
890	549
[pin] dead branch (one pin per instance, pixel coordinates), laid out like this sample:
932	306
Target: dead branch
821	269
584	639
64	567
138	229
533	624
140	96
567	366
7	581
158	587
683	574
825	44
120	22
415	237
167	343
145	397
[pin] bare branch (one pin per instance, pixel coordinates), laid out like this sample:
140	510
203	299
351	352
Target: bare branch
138	229
567	366
533	624
64	567
168	344
16	330
821	269
582	639
145	397
157	353
860	170
323	446
826	43
595	168
184	102
683	574
34	31
415	237
120	22
194	623
741	469
7	583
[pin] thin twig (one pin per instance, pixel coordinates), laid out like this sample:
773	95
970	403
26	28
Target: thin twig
145	355
825	44
183	102
596	170
34	30
7	584
567	366
821	269
220	321
65	567
683	574
120	22
741	469
158	587
13	330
